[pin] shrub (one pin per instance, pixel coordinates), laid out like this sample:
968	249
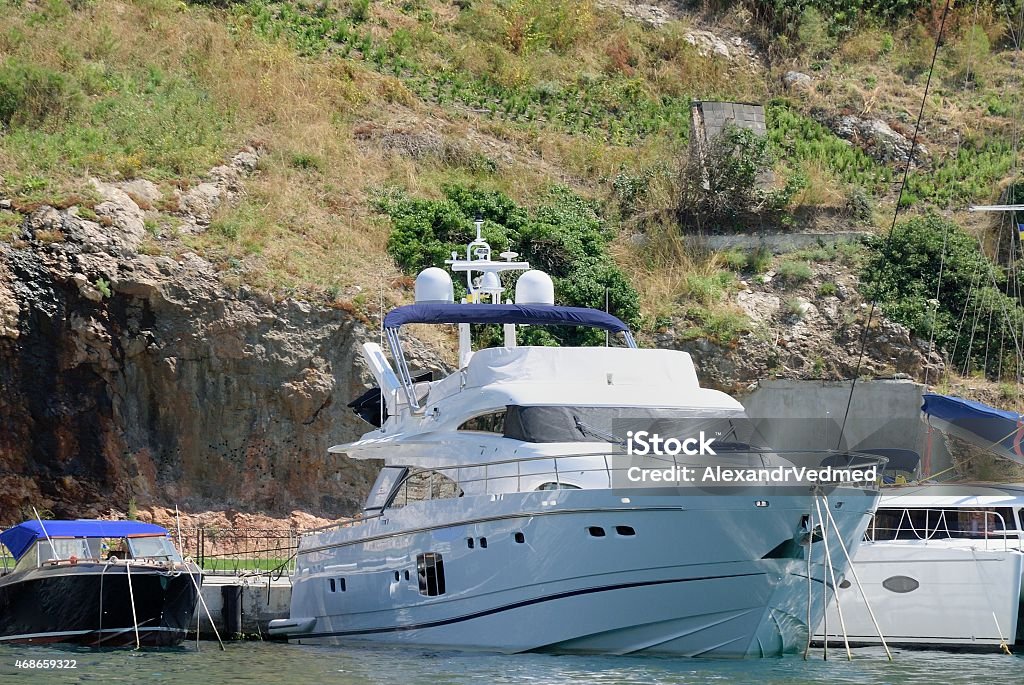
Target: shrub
905	279
726	184
827	289
359	11
31	95
563	236
759	260
735	259
793	273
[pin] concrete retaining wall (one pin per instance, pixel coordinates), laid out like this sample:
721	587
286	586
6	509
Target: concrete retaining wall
775	242
793	414
258	607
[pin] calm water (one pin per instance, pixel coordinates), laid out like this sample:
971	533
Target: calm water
253	662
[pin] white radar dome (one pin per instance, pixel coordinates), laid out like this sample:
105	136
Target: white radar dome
434	286
535	287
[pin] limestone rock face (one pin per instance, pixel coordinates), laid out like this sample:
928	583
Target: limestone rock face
875	136
129	376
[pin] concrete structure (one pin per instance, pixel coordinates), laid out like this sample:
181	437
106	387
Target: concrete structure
775	242
241	606
793	414
711	117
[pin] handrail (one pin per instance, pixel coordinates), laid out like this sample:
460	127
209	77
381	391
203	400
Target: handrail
995	530
558	471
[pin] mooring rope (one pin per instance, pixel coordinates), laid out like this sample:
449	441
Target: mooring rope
887	251
131	594
835	586
856	578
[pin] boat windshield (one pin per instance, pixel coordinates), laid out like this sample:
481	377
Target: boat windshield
153	547
539	424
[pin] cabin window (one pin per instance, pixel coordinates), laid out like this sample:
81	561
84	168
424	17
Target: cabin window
610	424
430	569
421	486
557	486
387	480
65	548
493	422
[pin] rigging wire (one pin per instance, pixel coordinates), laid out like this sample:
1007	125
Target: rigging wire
886	253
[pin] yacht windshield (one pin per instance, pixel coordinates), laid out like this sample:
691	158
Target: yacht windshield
731	430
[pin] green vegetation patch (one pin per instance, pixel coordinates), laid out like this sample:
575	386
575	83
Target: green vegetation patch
562	235
970	316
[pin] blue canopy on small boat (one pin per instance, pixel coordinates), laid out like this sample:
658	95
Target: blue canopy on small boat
998	430
20	538
533	314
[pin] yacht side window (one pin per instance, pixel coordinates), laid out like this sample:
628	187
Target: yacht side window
384	487
494	422
421	486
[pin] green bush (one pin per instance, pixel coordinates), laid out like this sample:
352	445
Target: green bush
759	260
735	259
31	95
726	185
794	273
562	235
905	280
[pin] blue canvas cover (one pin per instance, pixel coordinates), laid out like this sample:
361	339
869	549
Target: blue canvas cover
998	430
20	538
533	314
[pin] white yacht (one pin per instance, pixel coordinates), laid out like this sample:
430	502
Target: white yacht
941	567
504	519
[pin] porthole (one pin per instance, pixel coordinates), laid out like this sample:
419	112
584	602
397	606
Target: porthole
341	584
845	584
469	543
397	576
900	584
330	582
596	531
520	538
625	530
483	543
407	574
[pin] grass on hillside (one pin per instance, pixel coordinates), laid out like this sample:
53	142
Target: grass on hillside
509	95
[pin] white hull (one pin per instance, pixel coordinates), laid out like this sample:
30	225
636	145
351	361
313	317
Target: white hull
938	595
701	575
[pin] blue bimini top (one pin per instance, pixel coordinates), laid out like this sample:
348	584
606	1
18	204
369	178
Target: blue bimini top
532	314
20	538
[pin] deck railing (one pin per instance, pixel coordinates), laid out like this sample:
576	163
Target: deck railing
925	525
597	470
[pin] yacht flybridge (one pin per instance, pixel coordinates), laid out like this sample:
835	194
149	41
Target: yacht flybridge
506	516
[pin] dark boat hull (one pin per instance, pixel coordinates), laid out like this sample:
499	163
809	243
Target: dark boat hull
91	604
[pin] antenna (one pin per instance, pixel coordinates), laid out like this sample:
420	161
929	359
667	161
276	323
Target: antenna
478	221
606	333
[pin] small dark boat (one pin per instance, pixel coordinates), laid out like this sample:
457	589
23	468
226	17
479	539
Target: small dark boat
96	583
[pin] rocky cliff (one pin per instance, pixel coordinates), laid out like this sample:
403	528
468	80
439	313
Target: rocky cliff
131	379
